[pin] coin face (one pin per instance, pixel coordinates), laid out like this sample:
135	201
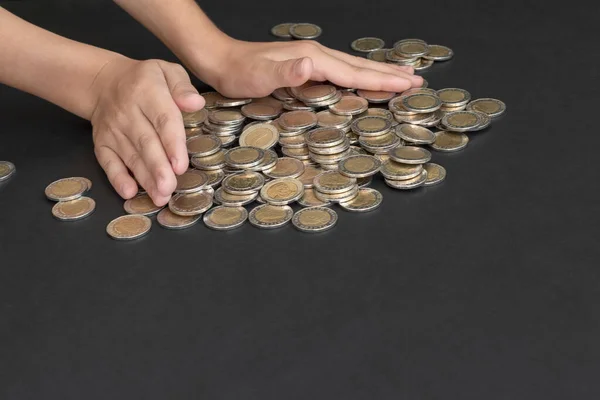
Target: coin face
395	58
285	167
300	153
359	166
412	183
309	175
379	144
268	161
186	204
391	169
7	169
214	177
211	99
224	218
376	96
337	197
439	53
367	200
282	94
331	182
242	183
203	145
194	119
268	216
454	97
367	44
315	219
486	120
415	134
74	209
213	162
295	120
411	48
263	136
141	204
325	137
282	191
317	93
378	55
449	141
261	111
296	141
491	107
244	157
226	117
435	174
461	121
349	105
410	155
168	220
233	200
191	181
371	126
129	227
305	31
421	103
66	189
309	199
282	30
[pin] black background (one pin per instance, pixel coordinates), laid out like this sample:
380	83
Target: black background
485	287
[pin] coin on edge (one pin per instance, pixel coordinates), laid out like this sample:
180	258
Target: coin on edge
169	220
268	216
367	200
129	227
223	218
73	210
315	219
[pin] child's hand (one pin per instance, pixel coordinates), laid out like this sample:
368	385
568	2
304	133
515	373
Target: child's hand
138	125
257	69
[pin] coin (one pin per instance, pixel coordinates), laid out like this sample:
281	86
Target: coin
454	97
366	200
226	117
461	121
327	119
186	204
486	120
438	53
296	105
268	216
325	137
349	105
212	162
296	120
415	134
66	189
435	174
305	31
261	111
395	58
377	55
332	182
449	141
371	126
214	177
316	93
224	218
283	95
309	199
492	107
192	132
423	65
285	167
227	102
343	146
300	153
87	182
7	169
379	144
263	136
244	157
233	200
203	145
376	96
73	210
268	161
141	204
294	142
194	119
308	176
329	159
167	219
377	112
409	40
366	181
359	166
129	227
393	170
337	197
396	107
315	219
411	48
227	140
282	30
422	103
211	99
410	155
242	183
367	44
416	119
412	183
282	191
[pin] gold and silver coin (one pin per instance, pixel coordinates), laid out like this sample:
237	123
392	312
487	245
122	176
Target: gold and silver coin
376	97
203	145
7	169
191	181
366	200
359	166
435	174
371	126
301	153
194	119
226	117
410	155
263	136
268	161
141	204
492	107
415	134
327	119
454	97
261	111
243	183
223	218
411	48
367	44
309	199
268	216
129	227
282	191
308	176
211	99
209	163
393	170
486	120
337	197
405	184
316	93
294	142
379	144
167	219
461	121
244	157
74	210
66	189
227	102
349	105
282	30
214	177
377	112
378	55
314	219
449	141
233	200
325	137
421	103
305	31
285	167
297	120
186	204
438	53
332	182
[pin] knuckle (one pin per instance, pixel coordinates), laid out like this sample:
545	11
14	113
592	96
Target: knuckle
161	120
143	141
133	160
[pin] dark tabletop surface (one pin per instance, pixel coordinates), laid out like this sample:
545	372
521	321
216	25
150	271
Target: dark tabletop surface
484	287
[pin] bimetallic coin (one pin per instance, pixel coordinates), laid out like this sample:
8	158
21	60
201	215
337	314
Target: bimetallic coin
415	134
226	117
315	219
417	119
301	153
305	31
268	216
439	53
168	220
282	95
410	155
371	126
486	120
296	105
359	166
66	189
409	40
449	141
309	175
337	197
244	157
349	105
194	119
435	174
242	183
412	183
267	163
211	99
264	136
325	137
293	142
74	209
367	44
492	107
141	204
203	145
333	182
214	177
285	167
379	144
227	102
316	93
343	146
376	96
191	181
425	83
186	204
87	182
461	121
297	120
282	30
7	169
366	200
327	119
282	191
233	200
363	182
393	170
411	48
129	227
225	218
261	111
329	159
423	65
421	103
192	132
378	55
213	162
454	97
377	112
395	58
309	199
395	106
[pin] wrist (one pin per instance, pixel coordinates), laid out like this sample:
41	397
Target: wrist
209	60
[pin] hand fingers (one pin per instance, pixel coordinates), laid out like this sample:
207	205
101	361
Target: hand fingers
116	172
183	92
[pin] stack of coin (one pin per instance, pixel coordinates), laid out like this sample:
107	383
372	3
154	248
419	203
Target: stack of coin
411	52
418	106
375	134
334	187
71	204
291	30
327	146
404	168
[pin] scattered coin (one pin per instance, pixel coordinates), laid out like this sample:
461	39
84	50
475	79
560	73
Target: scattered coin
405	184
410	155
315	219
73	210
371	126
435	174
295	120
213	162
305	31
233	200
141	204
376	96
224	218
492	107
308	176
203	145
333	182
129	227
285	167
449	141
243	183
167	219
367	44
366	200
349	105
415	134
282	30
66	189
261	111
461	121
378	55
393	170
268	216
309	199
186	204
227	102
244	157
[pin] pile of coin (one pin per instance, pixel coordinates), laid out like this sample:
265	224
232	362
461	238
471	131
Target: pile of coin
289	30
7	169
68	193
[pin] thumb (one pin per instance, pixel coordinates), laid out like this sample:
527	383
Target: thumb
184	93
291	73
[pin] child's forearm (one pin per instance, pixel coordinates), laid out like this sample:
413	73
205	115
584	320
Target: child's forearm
57	69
